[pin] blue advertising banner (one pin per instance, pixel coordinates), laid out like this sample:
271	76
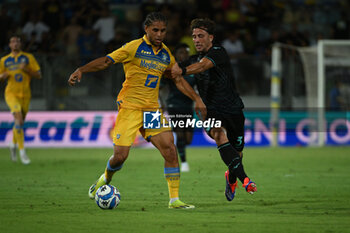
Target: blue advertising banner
95	129
294	129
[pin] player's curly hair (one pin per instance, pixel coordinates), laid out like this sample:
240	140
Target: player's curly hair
155	17
204	24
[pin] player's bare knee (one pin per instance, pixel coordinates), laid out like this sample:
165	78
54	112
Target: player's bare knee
170	150
169	153
219	136
18	118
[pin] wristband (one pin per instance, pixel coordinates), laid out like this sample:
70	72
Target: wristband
183	71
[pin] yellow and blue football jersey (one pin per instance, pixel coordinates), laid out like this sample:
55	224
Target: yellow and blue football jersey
18	82
143	67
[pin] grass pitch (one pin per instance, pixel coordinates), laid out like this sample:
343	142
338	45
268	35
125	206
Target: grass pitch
299	190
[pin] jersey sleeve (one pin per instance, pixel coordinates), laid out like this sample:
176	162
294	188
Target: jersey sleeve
33	64
124	54
172	61
217	55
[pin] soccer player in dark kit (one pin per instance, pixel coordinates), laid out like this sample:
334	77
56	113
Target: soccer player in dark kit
216	86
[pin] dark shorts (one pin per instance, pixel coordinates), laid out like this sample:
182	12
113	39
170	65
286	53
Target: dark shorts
234	125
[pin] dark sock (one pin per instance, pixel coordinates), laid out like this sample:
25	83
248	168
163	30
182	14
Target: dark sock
233	161
240	172
181	148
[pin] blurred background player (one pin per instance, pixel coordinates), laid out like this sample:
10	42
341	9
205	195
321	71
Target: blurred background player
216	86
18	68
180	107
145	60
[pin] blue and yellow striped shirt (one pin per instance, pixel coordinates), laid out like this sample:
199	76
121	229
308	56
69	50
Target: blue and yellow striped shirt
18	82
143	67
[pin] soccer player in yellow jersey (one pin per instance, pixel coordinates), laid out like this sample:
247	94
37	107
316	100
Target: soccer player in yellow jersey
145	60
18	68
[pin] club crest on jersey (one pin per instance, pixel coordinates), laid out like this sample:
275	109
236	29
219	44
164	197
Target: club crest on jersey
9	63
164	57
23	60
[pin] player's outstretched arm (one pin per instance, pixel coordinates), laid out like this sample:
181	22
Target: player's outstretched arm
186	89
93	66
201	66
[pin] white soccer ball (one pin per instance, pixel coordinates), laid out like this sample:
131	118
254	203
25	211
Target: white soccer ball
107	197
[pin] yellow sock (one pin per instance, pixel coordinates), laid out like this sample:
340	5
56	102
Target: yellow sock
19	136
172	176
109	174
14	141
